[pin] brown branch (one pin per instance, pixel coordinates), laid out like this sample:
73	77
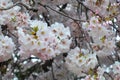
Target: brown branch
65	15
80	2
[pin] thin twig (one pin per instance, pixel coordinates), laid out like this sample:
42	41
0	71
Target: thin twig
19	3
80	2
46	6
53	73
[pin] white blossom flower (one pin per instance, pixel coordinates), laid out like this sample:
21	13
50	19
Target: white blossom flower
41	25
5	3
60	31
98	75
103	38
116	67
42	42
80	63
7	48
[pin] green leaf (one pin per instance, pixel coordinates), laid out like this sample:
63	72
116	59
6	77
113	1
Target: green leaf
13	19
103	39
35	29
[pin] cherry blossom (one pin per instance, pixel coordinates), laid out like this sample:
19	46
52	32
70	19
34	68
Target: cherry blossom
103	38
79	62
116	67
7	48
43	44
73	33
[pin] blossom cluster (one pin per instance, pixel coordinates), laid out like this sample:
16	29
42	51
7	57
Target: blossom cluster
97	75
34	36
84	64
44	41
103	37
105	8
7	45
12	17
80	61
7	48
